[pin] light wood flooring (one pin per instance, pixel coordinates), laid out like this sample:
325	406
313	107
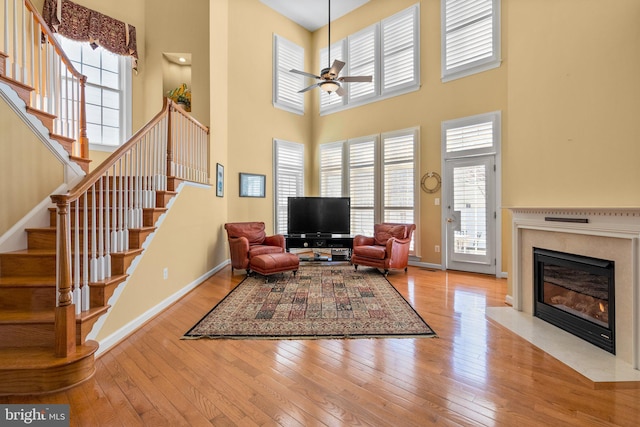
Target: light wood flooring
475	373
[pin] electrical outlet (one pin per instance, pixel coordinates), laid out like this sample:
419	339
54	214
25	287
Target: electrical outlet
436	201
437	248
165	273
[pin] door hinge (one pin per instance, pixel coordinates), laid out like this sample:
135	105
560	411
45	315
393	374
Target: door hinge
494	168
495	261
495	215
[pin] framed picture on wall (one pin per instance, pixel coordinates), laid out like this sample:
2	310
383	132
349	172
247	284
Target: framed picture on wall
252	185
219	180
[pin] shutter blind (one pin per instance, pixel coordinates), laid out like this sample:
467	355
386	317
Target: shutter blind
362	62
288	56
469	137
289	178
400	50
362	186
470	37
331	170
399	178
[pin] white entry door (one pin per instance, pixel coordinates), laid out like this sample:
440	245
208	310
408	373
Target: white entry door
469	213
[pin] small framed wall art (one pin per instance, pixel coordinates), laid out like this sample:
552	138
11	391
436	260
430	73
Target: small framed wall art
219	180
252	185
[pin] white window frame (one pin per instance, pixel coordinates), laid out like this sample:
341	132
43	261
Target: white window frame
125	109
494	117
379	207
291	164
484	63
287	56
380	70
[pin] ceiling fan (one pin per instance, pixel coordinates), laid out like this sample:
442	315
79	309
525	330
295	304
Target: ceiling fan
329	80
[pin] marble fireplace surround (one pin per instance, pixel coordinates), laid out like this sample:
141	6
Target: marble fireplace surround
607	233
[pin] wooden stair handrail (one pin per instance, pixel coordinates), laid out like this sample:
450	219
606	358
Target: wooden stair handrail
171	129
84	140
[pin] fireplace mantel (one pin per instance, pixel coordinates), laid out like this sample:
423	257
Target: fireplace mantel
607	233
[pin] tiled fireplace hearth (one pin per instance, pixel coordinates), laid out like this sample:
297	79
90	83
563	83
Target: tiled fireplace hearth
605	233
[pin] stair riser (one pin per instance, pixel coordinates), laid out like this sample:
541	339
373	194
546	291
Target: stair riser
27	335
41	239
27	265
58	375
20	298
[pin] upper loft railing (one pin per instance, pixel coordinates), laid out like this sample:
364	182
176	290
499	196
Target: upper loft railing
36	61
94	218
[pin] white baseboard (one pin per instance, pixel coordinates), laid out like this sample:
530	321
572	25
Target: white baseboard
107	343
509	300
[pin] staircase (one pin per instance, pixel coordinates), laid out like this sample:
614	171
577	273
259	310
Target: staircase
53	292
28	302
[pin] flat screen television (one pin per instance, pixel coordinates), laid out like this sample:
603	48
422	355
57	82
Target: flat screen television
319	215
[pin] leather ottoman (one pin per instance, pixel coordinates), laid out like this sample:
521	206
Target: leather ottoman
267	264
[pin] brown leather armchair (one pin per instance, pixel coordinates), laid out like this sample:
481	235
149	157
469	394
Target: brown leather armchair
248	239
389	248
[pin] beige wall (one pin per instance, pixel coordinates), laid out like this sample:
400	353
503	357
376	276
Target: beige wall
574	101
253	121
29	171
177	27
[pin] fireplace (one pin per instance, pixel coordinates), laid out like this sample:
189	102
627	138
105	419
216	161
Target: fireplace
576	293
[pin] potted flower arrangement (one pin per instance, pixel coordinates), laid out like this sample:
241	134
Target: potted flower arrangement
182	96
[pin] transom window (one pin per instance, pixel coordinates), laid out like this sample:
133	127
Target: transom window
107	92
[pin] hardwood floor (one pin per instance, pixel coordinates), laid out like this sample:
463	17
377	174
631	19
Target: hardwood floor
475	373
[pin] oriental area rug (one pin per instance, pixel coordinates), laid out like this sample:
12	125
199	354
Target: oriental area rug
320	301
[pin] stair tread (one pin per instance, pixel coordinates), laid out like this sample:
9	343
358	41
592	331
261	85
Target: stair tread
33	252
45	316
40	357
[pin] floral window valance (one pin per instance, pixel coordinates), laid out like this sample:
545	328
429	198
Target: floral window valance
79	23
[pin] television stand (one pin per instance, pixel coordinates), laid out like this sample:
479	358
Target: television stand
340	245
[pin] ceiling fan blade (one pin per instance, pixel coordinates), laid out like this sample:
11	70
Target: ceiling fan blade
309	88
304	73
348	79
341	92
336	67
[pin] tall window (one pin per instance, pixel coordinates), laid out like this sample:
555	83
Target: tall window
288	178
470	37
107	93
331	159
389	51
380	173
287	56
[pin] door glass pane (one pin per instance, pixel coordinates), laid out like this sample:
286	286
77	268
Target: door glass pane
470	206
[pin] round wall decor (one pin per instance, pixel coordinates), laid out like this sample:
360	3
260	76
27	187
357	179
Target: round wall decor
430	188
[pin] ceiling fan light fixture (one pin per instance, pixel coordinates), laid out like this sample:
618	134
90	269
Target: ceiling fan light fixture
329	86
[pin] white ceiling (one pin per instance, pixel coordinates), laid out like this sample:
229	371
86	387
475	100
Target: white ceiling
312	14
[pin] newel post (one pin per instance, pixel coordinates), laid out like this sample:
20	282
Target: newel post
65	318
83	139
170	140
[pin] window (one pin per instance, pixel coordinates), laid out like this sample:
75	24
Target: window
380	173
331	159
107	92
389	51
287	56
470	37
471	136
288	178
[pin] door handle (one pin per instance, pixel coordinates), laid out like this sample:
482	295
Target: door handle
450	220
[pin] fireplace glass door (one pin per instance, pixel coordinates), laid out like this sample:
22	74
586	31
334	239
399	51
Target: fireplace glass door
575	293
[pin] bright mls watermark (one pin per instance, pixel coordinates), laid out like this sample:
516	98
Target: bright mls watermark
34	415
